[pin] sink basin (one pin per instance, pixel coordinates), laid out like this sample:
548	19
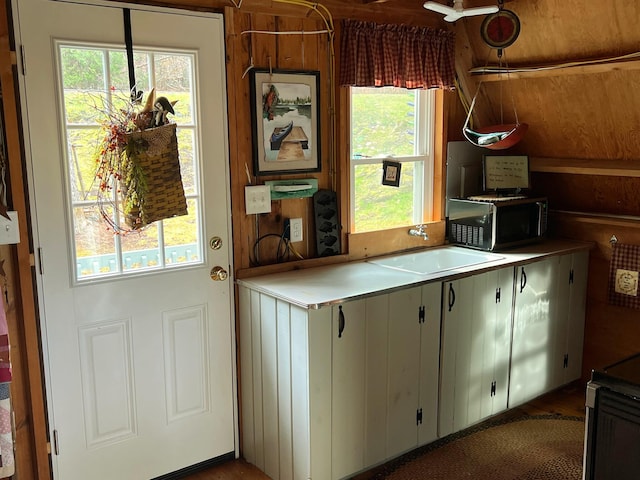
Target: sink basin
436	260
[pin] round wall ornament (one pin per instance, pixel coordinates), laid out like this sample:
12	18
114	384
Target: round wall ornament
500	29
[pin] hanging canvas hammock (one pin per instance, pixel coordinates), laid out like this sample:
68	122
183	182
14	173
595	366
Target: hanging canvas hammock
494	137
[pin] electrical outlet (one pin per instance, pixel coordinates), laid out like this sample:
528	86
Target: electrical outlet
295	229
9	231
257	199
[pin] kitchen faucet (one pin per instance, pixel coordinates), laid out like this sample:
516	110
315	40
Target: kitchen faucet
419	231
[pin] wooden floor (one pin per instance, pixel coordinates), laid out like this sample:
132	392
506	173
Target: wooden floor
568	400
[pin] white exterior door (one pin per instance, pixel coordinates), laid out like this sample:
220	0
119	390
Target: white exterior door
138	339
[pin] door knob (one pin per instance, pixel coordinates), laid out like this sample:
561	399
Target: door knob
218	274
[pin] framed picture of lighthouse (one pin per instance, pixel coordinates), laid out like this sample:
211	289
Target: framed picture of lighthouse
285	121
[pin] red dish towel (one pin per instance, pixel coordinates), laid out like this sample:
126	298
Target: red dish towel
624	272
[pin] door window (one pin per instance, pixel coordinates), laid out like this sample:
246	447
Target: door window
95	83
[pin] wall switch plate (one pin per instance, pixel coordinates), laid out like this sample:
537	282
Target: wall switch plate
257	199
295	227
9	230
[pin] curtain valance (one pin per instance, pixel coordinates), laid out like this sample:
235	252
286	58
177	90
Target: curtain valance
376	55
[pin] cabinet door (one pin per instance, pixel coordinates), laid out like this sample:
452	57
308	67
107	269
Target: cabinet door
403	370
456	354
577	312
572	292
376	365
494	301
534	315
429	363
348	388
475	349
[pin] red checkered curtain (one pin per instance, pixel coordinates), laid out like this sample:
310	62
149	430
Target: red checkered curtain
376	55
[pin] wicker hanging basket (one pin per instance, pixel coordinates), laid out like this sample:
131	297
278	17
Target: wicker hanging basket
151	183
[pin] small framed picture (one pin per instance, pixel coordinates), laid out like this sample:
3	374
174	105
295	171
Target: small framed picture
391	173
285	115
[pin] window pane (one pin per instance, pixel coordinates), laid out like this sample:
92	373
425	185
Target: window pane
186	140
96	88
382	122
94	244
83	67
181	237
378	206
82	145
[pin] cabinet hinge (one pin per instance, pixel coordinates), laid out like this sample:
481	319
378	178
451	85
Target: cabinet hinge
498	295
571	276
421	314
566	360
40	262
493	388
23	64
419	417
56	450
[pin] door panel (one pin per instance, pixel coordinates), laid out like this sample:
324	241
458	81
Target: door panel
139	367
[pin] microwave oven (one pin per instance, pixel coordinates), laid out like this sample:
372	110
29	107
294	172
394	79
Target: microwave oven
496	222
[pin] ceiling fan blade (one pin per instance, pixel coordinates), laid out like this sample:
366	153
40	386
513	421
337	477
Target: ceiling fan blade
440	8
453	16
468	12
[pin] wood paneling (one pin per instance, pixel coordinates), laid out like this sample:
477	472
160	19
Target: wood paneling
584	125
32	456
611	332
590	114
288	52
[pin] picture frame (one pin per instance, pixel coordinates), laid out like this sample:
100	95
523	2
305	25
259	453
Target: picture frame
285	117
391	173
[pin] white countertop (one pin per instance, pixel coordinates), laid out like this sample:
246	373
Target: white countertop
327	285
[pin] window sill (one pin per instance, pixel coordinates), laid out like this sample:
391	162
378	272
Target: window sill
371	244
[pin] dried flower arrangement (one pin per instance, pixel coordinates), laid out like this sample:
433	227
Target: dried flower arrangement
138	157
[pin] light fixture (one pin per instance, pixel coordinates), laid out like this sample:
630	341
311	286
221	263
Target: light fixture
458	11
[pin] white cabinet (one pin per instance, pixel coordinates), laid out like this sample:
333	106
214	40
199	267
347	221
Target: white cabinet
548	328
385	376
572	297
476	339
327	393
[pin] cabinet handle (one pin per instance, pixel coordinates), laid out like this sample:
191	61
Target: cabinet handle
340	322
523	280
452	296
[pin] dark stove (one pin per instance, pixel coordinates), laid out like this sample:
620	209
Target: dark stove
612	439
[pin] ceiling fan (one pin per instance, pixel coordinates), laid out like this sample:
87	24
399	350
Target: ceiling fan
457	11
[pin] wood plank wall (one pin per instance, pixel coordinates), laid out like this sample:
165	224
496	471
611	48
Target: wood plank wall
581	120
584	130
287	52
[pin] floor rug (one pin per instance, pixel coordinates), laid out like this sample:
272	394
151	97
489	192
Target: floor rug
548	447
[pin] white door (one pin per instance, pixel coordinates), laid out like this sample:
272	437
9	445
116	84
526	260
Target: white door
138	339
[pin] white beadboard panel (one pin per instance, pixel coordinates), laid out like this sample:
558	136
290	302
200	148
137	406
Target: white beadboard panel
256	359
269	386
377	314
300	394
246	374
429	363
483	346
577	311
107	382
349	398
463	363
284	416
318	363
185	361
404	370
